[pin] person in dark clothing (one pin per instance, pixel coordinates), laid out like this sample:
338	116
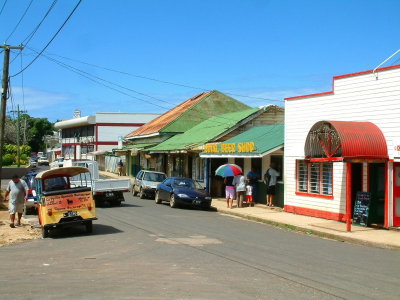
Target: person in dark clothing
253	178
120	167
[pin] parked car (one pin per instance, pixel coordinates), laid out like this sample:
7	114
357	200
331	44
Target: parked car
146	182
31	203
182	191
43	161
57	163
33	162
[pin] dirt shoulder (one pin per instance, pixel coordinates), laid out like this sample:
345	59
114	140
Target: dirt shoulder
10	235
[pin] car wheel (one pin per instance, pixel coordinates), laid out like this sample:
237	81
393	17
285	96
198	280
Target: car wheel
45	232
157	198
172	201
133	191
89	226
141	194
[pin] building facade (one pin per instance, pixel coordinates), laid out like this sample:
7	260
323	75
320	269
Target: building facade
343	145
84	137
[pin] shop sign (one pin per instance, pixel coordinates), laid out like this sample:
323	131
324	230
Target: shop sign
230	147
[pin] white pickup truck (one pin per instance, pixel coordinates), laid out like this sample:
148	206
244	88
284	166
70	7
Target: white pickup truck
104	190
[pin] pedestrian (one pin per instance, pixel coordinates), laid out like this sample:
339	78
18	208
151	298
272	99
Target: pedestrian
253	176
240	184
249	194
120	166
18	191
229	191
270	178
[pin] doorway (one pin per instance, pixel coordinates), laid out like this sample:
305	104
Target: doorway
377	189
356	182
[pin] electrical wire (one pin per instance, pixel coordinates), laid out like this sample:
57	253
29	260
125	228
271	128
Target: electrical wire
19	22
2	8
51	40
26	41
157	80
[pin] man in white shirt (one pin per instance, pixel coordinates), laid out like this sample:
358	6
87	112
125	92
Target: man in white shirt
18	191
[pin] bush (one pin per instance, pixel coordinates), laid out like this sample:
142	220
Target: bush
8	160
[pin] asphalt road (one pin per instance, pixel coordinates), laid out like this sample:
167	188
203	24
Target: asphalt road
147	251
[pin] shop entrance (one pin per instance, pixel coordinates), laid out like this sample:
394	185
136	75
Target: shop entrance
217	182
356	182
377	189
396	194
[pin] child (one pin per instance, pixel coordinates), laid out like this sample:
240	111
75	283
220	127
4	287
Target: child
249	194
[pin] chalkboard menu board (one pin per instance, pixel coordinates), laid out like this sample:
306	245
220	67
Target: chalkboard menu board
361	208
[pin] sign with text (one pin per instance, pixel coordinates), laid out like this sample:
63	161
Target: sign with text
229	147
69	201
361	208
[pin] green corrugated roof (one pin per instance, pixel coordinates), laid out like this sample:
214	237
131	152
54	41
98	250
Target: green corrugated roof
138	146
204	132
265	139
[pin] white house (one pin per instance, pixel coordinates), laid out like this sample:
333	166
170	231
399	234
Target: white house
343	145
81	137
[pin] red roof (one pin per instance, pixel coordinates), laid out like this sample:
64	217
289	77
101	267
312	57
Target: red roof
346	139
159	123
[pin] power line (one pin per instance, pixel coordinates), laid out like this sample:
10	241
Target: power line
19	22
158	80
54	36
30	36
2	8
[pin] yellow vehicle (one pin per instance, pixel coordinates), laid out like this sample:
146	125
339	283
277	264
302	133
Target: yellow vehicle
65	198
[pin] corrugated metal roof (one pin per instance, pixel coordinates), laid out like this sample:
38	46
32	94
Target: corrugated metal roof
204	132
190	113
257	141
346	139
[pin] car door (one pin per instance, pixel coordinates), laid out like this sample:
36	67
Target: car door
162	190
138	181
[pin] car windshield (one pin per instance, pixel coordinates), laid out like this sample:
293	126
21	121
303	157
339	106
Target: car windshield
187	183
155	177
30	182
55	183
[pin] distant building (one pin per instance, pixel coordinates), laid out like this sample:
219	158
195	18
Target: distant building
84	137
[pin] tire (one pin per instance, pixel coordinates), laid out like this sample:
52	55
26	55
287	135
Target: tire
141	194
134	193
172	201
89	226
45	232
206	207
157	199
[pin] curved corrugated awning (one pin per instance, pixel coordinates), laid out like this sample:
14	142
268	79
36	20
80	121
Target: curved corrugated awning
340	140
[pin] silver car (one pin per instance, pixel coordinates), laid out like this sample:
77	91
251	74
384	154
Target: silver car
146	182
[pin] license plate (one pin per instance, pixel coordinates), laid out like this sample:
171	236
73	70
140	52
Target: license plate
109	194
70	214
197	202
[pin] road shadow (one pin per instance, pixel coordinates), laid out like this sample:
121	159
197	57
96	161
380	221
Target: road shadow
79	231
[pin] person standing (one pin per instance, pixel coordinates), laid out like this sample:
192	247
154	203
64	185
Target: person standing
120	167
229	191
240	184
270	178
17	189
253	178
249	194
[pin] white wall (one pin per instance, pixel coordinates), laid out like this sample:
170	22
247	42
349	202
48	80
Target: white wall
355	98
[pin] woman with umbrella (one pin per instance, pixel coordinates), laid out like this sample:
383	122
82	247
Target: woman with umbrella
228	171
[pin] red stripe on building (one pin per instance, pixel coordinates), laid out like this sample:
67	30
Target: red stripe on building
315	213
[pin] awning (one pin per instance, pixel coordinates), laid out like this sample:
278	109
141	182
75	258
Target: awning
345	140
134	149
255	142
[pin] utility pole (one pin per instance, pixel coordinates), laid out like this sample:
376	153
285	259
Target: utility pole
4	97
18	134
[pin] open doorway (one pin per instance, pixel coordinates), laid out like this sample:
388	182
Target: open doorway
377	188
356	182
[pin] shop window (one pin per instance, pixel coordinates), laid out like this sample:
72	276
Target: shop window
198	166
314	179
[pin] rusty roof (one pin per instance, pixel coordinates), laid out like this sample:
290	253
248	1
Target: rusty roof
157	124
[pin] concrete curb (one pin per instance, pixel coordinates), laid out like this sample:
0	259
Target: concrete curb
308	231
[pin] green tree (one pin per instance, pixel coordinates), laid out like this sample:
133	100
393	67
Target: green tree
38	128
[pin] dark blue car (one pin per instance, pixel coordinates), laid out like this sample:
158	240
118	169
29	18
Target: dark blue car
31	203
182	191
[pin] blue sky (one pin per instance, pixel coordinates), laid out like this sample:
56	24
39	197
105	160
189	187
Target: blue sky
253	48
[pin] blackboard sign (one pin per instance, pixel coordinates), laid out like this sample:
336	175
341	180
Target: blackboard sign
361	208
